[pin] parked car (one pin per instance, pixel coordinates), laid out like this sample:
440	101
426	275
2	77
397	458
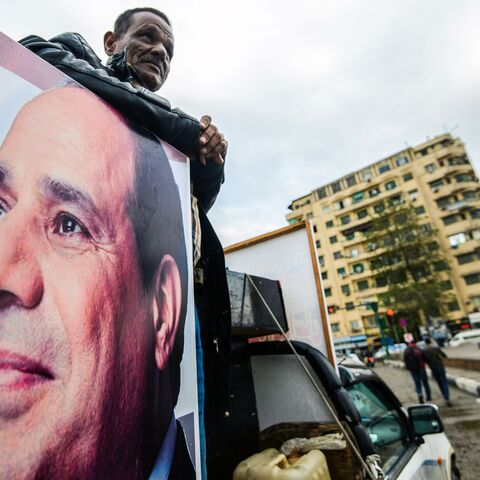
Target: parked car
411	441
467	336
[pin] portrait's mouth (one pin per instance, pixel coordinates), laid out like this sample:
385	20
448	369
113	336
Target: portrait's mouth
19	371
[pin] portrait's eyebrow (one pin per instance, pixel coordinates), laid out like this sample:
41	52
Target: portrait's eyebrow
66	193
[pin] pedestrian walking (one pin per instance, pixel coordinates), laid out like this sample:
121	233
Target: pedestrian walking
415	364
434	359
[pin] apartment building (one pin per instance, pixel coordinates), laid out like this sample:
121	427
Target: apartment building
439	180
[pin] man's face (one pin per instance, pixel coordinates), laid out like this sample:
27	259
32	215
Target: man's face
74	322
149	43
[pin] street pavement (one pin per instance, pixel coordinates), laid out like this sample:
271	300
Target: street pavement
462	420
469	351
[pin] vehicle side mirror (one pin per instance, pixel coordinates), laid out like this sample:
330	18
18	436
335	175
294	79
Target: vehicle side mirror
425	420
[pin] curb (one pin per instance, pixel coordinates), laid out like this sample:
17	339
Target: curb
466	384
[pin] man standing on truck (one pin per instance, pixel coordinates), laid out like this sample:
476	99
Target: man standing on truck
415	364
434	358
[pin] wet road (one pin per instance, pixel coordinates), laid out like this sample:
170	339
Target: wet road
462	420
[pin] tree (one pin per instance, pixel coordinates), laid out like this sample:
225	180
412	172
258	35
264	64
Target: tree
408	262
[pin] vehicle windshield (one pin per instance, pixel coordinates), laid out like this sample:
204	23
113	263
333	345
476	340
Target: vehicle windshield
387	429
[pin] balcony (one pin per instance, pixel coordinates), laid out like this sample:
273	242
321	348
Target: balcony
447	170
451	188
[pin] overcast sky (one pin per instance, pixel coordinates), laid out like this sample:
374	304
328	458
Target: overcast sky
305	91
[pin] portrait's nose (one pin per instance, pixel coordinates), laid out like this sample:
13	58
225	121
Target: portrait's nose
21	281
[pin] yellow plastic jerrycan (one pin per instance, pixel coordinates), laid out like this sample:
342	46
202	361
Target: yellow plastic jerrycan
273	465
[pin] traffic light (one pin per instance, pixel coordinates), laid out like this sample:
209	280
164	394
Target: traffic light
332	309
390	313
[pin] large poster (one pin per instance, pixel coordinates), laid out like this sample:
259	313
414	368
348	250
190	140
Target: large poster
97	345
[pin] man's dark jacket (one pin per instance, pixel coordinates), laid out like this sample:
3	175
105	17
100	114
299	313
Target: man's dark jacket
70	53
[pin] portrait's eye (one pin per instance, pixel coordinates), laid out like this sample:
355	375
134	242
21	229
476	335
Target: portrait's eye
3	208
66	224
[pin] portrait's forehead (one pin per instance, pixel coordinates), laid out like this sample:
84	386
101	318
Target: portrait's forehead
71	133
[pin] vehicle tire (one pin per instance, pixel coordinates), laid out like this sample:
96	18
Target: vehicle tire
454	472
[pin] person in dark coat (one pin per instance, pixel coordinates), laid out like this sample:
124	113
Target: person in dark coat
434	358
415	364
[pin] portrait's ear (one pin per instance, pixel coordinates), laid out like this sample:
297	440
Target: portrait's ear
166	309
109	43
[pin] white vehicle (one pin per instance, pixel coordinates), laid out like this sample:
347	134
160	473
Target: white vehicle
411	442
467	336
392	350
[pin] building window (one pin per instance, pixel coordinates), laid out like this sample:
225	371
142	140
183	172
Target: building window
379	207
350	306
328	292
390	185
355	326
440	266
333	239
396	200
371	322
357	197
453	306
374	192
309	215
419	210
358	268
336	187
457	239
468	258
345	219
381	282
321	260
326	209
470	195
475	302
329	224
401	161
350	236
407	177
436	184
337	255
315	229
341	272
430	168
340	205
321	193
362	285
475	214
318	244
413	194
351	181
471	279
354	252
385	167
465	177
449	219
335	327
324	275
362	214
366	174
345	289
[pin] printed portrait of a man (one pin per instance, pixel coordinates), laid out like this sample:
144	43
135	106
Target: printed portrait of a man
93	296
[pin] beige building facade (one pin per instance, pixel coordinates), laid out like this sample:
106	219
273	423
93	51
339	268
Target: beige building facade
437	177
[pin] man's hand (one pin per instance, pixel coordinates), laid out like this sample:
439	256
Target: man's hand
211	141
